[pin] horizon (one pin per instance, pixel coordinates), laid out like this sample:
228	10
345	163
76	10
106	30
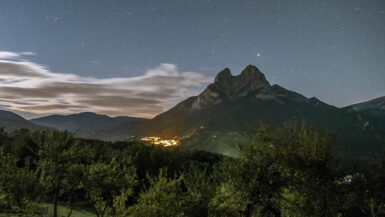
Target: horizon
30	116
140	58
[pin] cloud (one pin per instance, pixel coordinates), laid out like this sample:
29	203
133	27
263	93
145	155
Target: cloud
30	87
28	53
8	55
22	69
14	55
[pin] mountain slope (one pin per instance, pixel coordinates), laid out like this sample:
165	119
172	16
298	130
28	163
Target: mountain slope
233	105
373	112
87	124
373	108
11	121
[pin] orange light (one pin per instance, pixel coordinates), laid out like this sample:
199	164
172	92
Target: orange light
155	140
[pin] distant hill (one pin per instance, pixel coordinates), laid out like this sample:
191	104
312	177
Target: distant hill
87	124
233	105
11	121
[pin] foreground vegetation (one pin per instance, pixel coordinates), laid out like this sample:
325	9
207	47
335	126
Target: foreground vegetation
291	171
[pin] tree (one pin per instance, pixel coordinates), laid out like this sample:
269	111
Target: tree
73	184
164	197
4	139
289	171
310	159
20	185
58	154
109	184
200	186
376	181
364	193
249	186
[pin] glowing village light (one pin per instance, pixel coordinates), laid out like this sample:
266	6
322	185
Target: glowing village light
155	140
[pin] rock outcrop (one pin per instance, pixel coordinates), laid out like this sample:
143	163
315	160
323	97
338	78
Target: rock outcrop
231	87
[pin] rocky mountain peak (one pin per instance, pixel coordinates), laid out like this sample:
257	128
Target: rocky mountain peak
251	71
255	76
231	87
223	76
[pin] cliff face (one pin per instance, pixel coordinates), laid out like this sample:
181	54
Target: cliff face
231	87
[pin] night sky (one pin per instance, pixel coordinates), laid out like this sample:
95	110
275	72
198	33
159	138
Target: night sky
140	57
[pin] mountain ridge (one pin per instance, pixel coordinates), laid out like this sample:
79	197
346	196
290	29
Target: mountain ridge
219	116
84	121
374	107
11	121
234	103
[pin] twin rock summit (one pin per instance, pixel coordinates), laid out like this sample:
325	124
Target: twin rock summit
232	87
234	106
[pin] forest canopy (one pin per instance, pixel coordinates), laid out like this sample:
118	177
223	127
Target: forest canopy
289	171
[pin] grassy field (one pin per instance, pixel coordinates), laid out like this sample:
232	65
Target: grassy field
62	212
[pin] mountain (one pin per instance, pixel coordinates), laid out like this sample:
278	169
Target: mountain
87	124
11	121
372	111
373	108
232	105
10	116
225	114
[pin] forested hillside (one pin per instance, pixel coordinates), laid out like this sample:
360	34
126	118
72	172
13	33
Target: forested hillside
287	171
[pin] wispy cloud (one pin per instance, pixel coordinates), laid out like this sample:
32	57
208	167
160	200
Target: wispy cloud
8	55
28	53
30	87
14	55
